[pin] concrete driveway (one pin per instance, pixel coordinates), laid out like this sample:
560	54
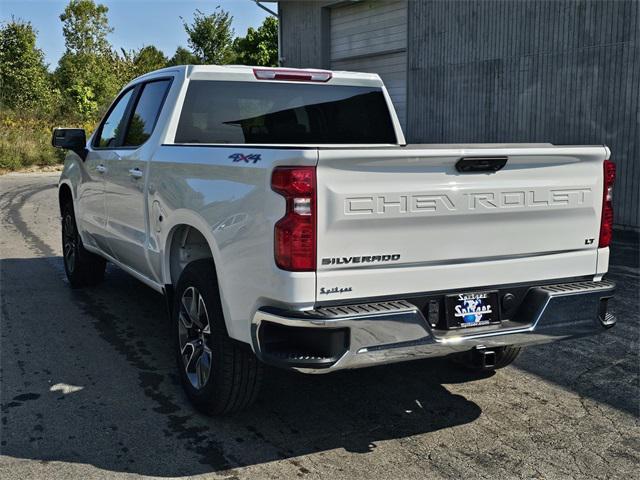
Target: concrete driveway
89	390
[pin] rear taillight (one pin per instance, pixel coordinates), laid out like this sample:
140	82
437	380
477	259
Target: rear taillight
606	223
295	233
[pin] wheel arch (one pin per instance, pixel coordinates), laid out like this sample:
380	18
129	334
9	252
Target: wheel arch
65	194
189	239
70	177
185	228
185	244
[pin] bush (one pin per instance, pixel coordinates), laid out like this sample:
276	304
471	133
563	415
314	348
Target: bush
25	140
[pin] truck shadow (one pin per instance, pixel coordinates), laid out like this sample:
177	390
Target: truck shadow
89	377
603	367
69	396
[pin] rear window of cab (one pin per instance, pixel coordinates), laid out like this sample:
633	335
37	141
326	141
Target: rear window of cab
222	112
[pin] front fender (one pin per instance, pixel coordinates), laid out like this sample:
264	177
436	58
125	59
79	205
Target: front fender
71	175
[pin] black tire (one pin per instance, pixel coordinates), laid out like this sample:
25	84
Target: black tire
227	377
504	357
82	267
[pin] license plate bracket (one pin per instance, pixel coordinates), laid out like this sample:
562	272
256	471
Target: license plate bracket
472	309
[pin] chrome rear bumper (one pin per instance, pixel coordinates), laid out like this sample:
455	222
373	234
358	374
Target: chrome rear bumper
386	332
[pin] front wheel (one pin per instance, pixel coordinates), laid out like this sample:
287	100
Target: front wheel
219	375
82	267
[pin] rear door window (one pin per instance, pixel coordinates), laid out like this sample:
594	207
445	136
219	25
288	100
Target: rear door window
146	112
276	113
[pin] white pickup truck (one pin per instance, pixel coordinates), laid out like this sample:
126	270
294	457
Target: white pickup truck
287	222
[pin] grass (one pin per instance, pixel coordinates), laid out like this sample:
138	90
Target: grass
25	141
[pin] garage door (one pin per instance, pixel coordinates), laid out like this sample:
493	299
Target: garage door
371	36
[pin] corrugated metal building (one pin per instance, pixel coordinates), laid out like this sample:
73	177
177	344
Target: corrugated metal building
565	72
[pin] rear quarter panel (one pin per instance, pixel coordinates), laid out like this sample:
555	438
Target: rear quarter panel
231	203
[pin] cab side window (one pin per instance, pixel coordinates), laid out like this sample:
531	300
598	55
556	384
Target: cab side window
146	113
111	128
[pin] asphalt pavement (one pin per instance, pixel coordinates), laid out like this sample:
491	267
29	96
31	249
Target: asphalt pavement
89	389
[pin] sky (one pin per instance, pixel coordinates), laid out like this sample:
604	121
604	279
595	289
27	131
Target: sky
136	23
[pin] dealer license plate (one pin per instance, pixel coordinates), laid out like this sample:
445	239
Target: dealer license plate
472	309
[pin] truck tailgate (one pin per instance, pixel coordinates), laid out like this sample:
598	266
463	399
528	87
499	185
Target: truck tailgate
401	220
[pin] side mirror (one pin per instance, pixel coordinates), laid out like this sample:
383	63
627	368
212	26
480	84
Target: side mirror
73	139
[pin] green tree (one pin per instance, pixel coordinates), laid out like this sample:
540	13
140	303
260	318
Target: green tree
88	73
124	66
83	100
259	46
85	27
149	58
211	36
88	82
24	80
131	64
183	57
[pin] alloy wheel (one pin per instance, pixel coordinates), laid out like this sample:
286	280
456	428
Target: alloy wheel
69	242
194	331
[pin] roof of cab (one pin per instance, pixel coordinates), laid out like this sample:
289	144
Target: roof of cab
246	73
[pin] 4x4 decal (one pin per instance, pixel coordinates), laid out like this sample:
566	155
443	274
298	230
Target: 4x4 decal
241	157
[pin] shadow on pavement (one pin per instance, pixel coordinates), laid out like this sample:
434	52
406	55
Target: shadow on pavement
88	376
604	367
67	395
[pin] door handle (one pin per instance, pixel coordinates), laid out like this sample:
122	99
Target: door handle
101	168
135	173
480	164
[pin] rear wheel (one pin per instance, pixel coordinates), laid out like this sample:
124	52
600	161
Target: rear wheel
82	267
503	356
220	375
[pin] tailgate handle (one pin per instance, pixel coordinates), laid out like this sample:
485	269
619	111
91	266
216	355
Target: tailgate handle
480	164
